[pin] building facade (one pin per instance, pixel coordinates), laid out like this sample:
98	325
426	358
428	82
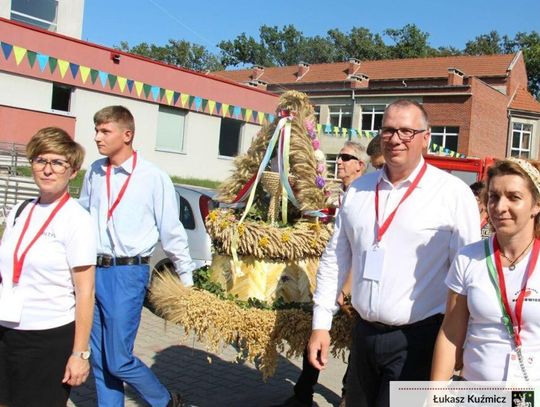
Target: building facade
478	105
189	123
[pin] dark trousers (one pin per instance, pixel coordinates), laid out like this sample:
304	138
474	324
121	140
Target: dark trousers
380	355
303	389
32	365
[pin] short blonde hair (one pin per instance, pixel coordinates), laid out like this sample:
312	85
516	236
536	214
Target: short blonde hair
54	140
116	114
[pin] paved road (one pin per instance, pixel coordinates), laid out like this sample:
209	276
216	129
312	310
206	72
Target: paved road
212	380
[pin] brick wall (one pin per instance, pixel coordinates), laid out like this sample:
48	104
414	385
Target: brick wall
489	121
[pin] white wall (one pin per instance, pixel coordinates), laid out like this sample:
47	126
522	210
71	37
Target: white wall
24	92
69	17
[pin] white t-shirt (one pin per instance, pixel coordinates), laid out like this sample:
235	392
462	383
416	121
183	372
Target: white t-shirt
488	344
46	283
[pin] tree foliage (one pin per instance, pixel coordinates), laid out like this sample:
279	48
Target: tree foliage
284	46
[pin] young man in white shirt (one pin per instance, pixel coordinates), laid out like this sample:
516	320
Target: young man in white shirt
414	218
133	203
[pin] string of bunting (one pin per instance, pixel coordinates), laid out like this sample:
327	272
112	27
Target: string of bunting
133	87
349	133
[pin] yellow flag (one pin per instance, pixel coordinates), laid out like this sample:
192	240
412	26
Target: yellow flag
19	53
260	117
121	82
138	87
85	71
247	116
63	67
183	99
211	106
168	95
224	109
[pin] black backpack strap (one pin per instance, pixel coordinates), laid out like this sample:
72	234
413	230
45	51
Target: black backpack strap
21	208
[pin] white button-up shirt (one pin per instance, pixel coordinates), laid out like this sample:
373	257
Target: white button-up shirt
148	211
430	226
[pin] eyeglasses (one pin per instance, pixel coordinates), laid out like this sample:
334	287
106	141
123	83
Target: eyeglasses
346	157
404	133
57	166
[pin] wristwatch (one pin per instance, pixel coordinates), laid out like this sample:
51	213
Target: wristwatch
83	355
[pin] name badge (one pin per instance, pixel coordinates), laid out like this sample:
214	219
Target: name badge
11	304
374	263
530	361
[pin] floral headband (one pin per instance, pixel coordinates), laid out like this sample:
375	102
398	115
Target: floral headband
531	170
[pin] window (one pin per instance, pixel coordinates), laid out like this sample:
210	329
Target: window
521	140
341	116
445	136
40	13
372	117
61	97
186	214
170	129
229	137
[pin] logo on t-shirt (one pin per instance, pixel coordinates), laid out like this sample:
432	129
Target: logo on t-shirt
531	295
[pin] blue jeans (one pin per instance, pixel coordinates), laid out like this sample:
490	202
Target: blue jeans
120	293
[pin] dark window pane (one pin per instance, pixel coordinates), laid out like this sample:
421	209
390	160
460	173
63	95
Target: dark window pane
451	143
43	9
61	96
436	139
366	122
378	122
346	121
229	137
186	215
515	140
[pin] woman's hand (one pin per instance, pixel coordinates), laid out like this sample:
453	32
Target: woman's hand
77	371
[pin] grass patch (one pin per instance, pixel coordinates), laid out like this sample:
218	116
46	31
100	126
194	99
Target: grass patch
208	183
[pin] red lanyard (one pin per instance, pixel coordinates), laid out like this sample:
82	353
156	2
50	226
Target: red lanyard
381	230
122	190
515	317
19	261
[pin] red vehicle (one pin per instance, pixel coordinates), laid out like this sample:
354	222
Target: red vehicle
469	170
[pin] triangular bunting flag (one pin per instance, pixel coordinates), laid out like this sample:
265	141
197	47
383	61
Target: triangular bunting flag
247	116
271	118
198	102
103	76
63	66
184	97
155	92
319	128
112	80
354	133
146	90
53	62
121	83
328	128
218	107
236	111
243	113
176	96
138	87
6	50
260	117
43	60
31	55
130	83
204	104
74	68
344	131
211	106
224	109
161	93
190	101
85	71
169	95
336	130
93	75
19	54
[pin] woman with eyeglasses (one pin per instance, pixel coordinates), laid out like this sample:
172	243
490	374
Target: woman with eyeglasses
47	259
493	307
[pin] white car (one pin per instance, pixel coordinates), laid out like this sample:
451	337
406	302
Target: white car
194	204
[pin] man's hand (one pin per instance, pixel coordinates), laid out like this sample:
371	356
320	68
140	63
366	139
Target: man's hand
77	371
318	345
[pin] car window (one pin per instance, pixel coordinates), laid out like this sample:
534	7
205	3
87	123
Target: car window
186	214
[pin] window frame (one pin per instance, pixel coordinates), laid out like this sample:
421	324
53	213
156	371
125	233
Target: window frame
169	148
20	16
521	132
446	133
345	111
240	134
373	113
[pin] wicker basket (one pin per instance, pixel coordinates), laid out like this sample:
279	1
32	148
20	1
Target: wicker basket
271	184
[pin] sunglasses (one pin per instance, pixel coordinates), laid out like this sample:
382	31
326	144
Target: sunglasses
346	157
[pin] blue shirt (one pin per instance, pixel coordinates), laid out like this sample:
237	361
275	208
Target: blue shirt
148	211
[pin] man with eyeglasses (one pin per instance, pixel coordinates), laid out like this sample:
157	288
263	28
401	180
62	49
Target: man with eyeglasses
397	232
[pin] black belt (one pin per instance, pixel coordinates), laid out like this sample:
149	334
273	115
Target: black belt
104	260
379	326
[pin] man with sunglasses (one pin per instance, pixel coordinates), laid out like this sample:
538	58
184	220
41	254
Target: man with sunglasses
397	232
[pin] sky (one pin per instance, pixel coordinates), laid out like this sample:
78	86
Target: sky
207	22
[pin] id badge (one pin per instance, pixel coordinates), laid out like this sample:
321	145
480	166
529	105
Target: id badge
11	304
531	362
374	263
